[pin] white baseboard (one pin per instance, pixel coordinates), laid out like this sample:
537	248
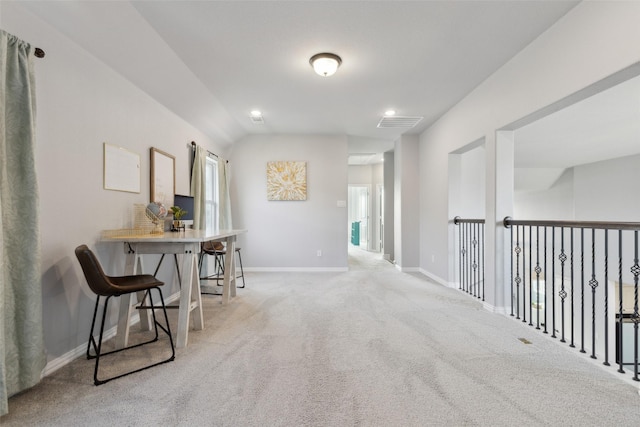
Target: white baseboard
439	280
494	309
81	350
295	269
407	269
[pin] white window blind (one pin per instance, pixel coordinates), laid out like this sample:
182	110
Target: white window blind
211	193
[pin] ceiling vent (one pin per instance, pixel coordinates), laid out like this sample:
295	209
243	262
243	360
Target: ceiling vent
404	122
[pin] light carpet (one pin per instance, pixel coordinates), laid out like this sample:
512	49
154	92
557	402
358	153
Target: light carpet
369	347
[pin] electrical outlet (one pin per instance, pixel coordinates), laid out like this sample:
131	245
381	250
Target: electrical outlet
319	253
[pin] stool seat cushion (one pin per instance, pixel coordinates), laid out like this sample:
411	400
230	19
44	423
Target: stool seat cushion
128	284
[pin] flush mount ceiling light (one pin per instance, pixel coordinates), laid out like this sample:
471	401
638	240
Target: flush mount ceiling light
325	64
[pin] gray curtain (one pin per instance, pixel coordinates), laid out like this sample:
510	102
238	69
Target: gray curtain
198	187
223	194
22	356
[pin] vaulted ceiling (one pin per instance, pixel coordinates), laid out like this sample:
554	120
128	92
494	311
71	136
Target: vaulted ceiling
212	62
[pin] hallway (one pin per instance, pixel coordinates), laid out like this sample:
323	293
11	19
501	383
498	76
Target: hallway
360	259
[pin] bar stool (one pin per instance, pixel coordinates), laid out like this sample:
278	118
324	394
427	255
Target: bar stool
218	251
108	286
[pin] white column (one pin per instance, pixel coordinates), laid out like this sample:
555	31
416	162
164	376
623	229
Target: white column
455	209
499	204
407	203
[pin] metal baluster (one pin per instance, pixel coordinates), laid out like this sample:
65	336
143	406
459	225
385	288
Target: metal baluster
483	265
563	292
512	278
606	297
460	255
470	252
553	282
594	284
530	276
636	316
582	291
537	270
546	280
518	280
464	256
621	309
572	292
524	274
474	265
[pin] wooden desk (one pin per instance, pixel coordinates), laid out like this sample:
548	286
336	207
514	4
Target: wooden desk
186	243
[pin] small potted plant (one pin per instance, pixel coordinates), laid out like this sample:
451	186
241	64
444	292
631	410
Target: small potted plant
178	213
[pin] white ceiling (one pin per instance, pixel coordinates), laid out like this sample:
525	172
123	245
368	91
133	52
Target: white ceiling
212	62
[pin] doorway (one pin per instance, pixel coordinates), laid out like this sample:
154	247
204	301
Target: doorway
367	192
358	218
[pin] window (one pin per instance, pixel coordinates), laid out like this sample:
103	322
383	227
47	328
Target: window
211	193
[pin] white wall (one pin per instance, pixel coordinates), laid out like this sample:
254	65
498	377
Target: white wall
406	205
555	203
360	174
593	41
80	105
377	174
286	235
472	183
389	200
600	191
608	190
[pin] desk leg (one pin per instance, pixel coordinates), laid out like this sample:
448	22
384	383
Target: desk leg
124	317
133	265
196	315
229	282
146	321
190	289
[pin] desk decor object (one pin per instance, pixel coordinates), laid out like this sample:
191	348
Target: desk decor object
148	221
286	180
178	213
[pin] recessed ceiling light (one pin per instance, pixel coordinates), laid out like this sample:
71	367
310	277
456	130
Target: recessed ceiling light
256	117
390	113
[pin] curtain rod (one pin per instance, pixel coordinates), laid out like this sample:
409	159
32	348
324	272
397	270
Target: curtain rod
193	143
39	53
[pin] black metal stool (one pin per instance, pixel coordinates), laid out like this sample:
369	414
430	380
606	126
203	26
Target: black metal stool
218	251
107	286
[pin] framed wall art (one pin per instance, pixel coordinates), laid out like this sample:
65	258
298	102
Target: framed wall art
286	180
163	177
121	169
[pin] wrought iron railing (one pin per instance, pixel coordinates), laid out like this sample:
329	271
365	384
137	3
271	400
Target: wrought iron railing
471	256
578	281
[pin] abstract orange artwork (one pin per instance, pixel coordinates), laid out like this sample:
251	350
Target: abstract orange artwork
286	180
